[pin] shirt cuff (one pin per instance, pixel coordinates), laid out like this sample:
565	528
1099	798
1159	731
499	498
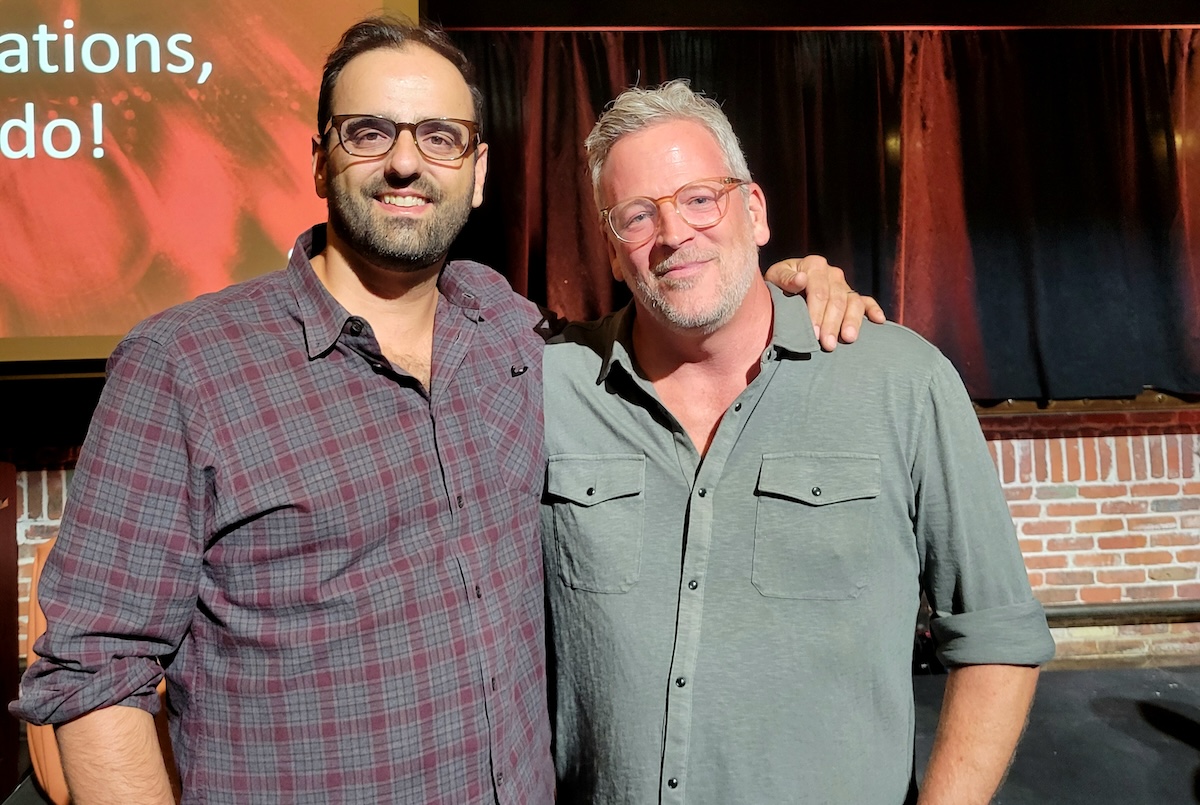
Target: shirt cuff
1011	635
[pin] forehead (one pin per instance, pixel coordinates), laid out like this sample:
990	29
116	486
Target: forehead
406	84
658	160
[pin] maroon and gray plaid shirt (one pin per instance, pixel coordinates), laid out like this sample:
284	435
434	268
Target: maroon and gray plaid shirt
340	576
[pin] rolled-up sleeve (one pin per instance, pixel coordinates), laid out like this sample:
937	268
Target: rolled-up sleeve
973	573
120	586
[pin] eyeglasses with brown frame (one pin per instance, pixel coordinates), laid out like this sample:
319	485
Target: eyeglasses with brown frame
700	204
441	139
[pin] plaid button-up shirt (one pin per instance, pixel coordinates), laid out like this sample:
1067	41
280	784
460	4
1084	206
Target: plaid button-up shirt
339	575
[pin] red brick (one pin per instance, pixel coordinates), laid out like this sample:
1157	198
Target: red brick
1041	459
1076	648
1188	592
1156	451
1187	455
1100	595
1070	509
1106	457
1017	510
1143	629
1137	449
1124	466
1036	579
1091	463
1018	492
1121	543
54	495
1188	555
1045	561
1056	595
1192	488
1031	545
1094	559
1024	462
1124	507
1074	465
1122	576
1035	527
1078	578
1008	462
1099	525
1104	491
1157	593
1173	464
1071	544
1148	558
1155	522
1176	573
1172	540
1156	490
1057	469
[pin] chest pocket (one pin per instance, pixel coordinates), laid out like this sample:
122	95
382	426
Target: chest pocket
814	524
598	510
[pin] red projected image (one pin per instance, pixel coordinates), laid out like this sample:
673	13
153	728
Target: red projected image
150	153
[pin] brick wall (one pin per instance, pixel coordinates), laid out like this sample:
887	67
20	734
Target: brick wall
1107	508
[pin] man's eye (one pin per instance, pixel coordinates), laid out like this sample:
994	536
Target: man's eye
698	202
635	219
366	136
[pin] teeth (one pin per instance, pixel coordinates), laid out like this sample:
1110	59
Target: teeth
403	201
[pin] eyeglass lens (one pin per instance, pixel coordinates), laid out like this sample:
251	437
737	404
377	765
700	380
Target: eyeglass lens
700	204
367	136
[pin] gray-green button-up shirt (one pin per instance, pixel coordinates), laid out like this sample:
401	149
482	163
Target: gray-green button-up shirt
738	627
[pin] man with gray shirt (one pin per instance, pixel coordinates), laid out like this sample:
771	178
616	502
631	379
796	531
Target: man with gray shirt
734	565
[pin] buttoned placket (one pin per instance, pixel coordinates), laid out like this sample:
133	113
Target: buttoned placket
705	492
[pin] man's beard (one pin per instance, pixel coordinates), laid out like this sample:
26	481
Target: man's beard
394	242
733	284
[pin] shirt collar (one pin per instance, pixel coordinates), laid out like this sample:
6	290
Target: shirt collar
792	333
461	283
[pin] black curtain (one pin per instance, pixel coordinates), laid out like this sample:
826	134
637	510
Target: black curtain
1027	200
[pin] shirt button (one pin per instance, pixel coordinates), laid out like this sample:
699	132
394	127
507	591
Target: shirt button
460	501
693	584
816	490
478	592
680	682
702	492
591	490
494	685
672	783
356	327
499	778
737	406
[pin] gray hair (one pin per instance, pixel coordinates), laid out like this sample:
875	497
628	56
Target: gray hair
636	109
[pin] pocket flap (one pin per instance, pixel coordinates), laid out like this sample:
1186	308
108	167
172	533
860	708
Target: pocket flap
588	480
819	479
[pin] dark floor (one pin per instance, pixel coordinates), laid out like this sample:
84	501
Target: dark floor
1125	735
1128	736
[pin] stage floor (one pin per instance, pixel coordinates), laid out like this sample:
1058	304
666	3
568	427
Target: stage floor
1120	735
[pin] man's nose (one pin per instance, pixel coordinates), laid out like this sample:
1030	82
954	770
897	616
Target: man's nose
673	231
404	159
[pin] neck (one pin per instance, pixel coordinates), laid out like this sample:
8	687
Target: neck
378	294
698	376
399	305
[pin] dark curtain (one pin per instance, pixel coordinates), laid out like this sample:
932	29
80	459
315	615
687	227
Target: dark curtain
1027	200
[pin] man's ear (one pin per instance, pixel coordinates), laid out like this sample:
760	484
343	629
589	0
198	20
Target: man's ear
320	165
613	264
481	164
757	204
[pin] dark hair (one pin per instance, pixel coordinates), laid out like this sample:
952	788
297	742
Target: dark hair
375	33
